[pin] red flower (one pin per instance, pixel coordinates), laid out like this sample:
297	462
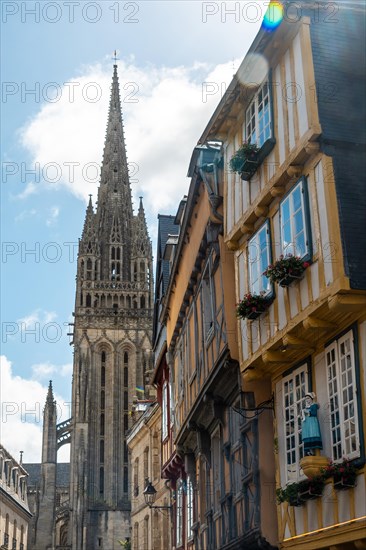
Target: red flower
306	264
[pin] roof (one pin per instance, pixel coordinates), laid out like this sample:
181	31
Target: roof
62	476
167	227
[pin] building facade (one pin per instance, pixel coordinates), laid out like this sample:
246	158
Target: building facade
209	452
150	526
300	195
15	515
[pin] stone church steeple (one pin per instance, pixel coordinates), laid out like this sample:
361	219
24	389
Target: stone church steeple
112	339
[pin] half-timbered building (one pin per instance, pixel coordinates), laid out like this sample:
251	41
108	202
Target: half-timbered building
298	97
211	458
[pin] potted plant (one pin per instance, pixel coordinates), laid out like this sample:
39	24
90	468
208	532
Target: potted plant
344	474
286	269
252	306
245	160
297	493
311	488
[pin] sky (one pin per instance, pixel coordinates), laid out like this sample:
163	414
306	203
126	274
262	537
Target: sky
175	59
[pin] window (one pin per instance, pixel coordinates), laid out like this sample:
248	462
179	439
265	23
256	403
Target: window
101	481
136	477
258	124
208	301
294	388
341	375
259	257
189	506
146	463
216	474
179	514
294	222
164	412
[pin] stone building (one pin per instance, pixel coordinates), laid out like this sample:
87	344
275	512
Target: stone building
14	511
112	337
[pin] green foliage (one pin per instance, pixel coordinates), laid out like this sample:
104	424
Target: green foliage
246	152
285	266
252	303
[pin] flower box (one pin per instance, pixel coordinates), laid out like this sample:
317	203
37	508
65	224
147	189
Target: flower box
286	269
252	306
341	483
310	493
286	281
249	167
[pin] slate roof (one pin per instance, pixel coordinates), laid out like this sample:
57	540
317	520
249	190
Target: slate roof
166	227
62	476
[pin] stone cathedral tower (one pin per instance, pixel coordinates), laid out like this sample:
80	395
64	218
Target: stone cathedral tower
112	339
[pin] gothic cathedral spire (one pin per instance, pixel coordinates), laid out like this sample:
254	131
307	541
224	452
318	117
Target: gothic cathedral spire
112	339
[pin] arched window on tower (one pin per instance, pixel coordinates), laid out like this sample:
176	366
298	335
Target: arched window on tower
89	267
125	377
142	302
102	424
101	481
88	300
101	451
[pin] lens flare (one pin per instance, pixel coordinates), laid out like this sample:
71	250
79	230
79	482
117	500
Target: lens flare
273	16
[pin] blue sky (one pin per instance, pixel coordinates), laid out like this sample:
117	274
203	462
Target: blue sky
165	57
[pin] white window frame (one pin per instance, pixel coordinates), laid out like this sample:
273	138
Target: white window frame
164	412
189	508
294	388
257	282
254	116
341	383
179	514
290	247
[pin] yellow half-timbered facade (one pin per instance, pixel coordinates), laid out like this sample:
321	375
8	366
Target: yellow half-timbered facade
297	194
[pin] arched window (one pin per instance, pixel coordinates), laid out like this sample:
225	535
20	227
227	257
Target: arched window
125	481
101	451
125	377
88	300
125	422
81	298
125	400
102	422
101	481
89	267
142	302
102	399
102	377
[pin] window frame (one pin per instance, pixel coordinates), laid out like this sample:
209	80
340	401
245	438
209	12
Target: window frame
254	102
306	219
179	514
164	411
299	405
189	508
252	241
335	344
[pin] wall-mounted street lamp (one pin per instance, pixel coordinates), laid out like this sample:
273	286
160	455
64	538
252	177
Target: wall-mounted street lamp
150	497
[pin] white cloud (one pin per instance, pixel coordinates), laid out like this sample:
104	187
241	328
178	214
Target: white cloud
30	189
53	216
164	112
44	370
21	419
40	316
25	214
